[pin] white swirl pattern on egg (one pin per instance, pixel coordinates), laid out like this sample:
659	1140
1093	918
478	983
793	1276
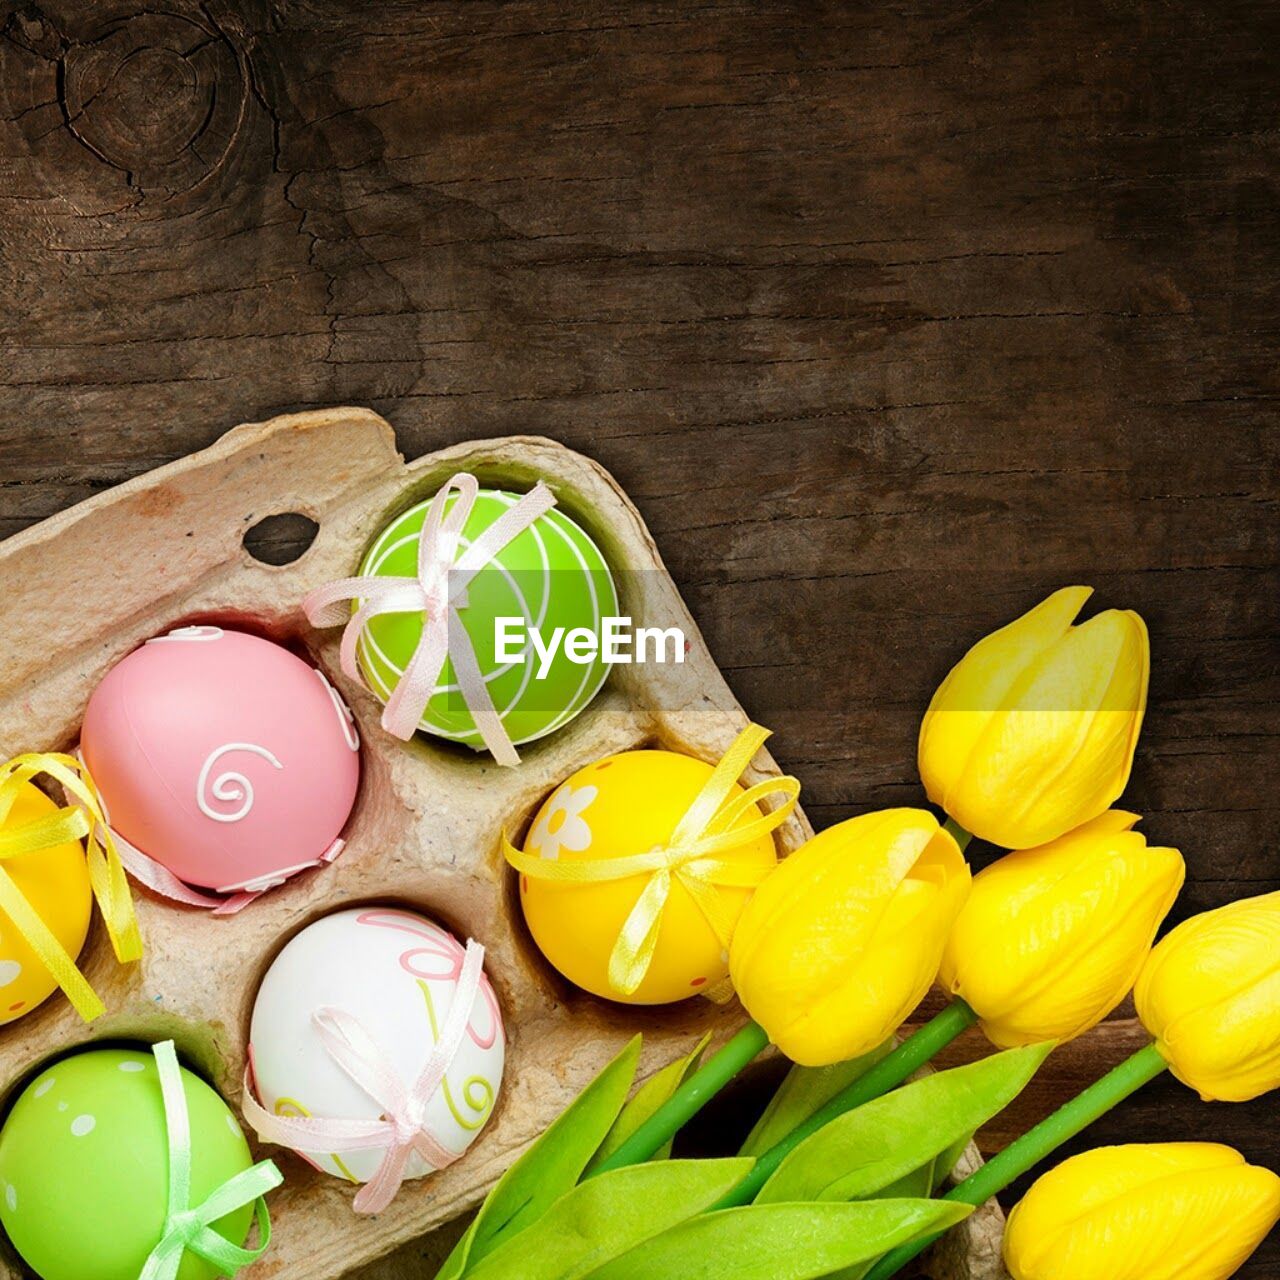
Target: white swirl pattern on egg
230	786
345	717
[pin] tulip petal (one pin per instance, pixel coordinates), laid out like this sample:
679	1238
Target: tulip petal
870	990
836	857
1052	938
1210	995
1176	1211
1060	749
843	939
979	684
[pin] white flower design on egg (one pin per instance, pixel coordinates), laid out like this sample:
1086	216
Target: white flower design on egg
82	1126
10	971
561	824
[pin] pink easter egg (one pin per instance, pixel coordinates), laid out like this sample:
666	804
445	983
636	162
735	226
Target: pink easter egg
223	757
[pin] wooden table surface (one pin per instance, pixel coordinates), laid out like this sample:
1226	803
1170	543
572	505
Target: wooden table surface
890	317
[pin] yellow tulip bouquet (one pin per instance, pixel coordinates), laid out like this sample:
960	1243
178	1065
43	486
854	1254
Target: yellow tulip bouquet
1027	744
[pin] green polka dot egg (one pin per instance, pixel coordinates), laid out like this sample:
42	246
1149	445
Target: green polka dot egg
549	575
84	1167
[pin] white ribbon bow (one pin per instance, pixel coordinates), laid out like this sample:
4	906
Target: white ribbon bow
438	592
402	1130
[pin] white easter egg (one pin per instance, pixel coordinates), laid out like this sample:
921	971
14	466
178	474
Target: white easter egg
397	973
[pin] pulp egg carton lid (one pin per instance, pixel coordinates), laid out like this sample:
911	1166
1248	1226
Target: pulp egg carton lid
167	549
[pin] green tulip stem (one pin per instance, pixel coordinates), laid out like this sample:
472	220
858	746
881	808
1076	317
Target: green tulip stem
1027	1151
887	1074
957	833
688	1099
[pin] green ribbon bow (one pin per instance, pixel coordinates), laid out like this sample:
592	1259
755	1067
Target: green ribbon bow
187	1228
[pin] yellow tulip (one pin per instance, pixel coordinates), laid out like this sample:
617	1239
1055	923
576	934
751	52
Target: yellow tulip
1210	995
843	939
1033	731
1053	938
1174	1211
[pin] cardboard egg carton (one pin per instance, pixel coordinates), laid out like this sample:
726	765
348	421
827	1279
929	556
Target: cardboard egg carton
84	588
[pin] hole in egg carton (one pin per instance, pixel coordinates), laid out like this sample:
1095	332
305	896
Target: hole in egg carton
285	629
281	539
550	982
438	908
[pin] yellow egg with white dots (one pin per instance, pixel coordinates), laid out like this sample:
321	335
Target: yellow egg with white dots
55	882
625	805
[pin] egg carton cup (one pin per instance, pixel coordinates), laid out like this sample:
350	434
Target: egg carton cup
86	587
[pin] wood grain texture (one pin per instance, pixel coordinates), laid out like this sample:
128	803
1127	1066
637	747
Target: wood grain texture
890	317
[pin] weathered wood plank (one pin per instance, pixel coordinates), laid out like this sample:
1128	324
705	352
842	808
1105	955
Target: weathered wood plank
890	318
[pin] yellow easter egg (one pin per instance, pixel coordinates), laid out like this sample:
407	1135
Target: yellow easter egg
618	807
55	881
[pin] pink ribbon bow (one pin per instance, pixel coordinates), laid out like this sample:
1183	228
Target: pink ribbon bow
159	879
402	1131
438	592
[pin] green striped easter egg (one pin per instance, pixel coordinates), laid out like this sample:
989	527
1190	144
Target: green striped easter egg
550	575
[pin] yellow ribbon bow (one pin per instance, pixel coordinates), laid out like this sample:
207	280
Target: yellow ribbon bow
693	856
82	818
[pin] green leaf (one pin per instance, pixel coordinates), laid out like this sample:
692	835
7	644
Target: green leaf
782	1241
867	1149
925	1180
550	1167
945	1162
917	1183
607	1215
803	1091
647	1099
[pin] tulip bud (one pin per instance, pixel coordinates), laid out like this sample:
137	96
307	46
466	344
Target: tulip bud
843	939
1174	1211
1053	938
1033	731
1210	995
